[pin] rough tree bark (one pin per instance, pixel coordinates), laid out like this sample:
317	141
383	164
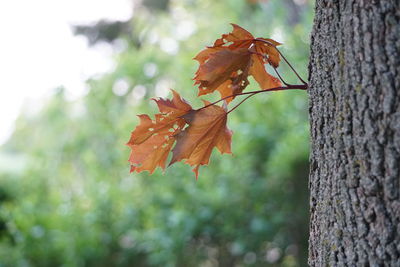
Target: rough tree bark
355	128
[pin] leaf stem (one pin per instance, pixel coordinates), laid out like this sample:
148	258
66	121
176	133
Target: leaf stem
247	97
290	65
280	77
284	58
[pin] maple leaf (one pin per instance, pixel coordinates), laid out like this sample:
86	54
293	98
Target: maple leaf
152	140
207	129
226	71
226	65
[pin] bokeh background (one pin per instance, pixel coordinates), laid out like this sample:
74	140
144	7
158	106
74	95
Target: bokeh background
66	195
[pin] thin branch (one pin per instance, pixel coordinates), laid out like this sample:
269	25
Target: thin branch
290	87
284	58
281	88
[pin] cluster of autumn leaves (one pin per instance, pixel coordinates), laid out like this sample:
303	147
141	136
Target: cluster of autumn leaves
224	67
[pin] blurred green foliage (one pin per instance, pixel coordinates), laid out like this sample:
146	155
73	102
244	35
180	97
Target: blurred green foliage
66	195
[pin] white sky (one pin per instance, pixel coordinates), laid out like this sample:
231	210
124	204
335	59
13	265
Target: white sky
38	51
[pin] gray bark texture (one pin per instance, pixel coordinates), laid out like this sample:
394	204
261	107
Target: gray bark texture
355	131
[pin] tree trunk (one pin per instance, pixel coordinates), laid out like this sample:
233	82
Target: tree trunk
355	128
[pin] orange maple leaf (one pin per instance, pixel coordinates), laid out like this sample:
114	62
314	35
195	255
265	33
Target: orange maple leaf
151	141
226	71
207	129
226	65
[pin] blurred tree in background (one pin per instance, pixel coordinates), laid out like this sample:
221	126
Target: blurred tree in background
66	195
